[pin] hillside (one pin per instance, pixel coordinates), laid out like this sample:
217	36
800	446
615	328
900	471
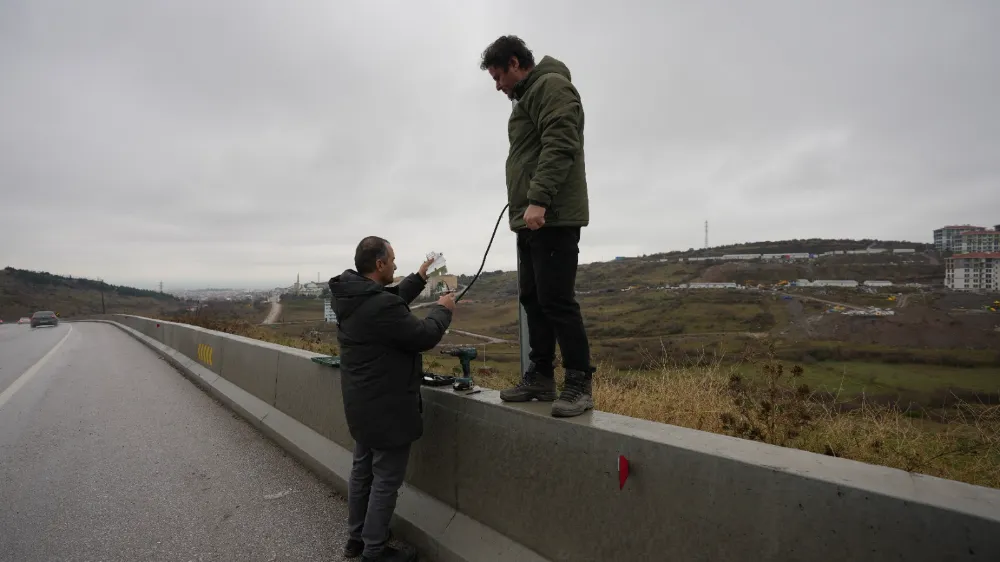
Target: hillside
23	292
934	344
652	271
814	245
912	268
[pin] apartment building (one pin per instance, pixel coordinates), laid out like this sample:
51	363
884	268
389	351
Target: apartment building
976	272
949	238
981	241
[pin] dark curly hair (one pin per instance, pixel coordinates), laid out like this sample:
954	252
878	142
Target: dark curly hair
499	53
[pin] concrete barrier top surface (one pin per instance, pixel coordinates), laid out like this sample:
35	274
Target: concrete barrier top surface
265	344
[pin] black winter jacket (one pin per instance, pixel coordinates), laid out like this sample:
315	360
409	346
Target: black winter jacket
380	363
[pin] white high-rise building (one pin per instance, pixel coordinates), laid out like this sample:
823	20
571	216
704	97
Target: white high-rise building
980	241
949	238
976	272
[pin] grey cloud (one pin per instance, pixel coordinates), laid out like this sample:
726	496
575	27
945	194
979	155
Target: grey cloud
244	142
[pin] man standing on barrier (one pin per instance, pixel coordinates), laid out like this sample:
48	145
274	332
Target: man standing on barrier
381	371
547	194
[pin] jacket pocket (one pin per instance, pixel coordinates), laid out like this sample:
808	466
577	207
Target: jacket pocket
517	188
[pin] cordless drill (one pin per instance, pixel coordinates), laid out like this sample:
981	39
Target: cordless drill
465	356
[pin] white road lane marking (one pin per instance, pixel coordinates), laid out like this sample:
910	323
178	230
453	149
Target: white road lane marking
23	379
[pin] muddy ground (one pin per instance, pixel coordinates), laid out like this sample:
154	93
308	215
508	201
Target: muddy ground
912	326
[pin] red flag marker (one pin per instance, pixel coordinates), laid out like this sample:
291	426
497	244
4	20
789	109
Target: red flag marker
622	471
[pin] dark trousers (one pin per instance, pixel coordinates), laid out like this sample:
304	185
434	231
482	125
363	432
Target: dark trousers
548	260
376	476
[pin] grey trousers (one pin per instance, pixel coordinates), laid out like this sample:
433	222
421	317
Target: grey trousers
376	477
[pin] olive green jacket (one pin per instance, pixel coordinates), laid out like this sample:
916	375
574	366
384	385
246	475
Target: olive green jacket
545	165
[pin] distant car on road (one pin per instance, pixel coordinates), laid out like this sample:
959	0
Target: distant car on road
44	318
24	320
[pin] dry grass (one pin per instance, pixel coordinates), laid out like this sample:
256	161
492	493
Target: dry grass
772	406
967	448
257	332
775	407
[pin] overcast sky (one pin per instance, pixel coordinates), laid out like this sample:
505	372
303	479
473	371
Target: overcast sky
240	142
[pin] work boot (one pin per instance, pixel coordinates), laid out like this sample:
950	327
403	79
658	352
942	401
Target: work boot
576	397
390	554
533	386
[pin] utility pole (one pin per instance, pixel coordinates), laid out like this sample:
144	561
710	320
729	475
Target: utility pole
103	310
706	235
161	287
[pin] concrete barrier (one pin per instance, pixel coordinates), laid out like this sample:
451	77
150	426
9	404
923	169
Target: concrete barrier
310	393
512	483
696	495
249	364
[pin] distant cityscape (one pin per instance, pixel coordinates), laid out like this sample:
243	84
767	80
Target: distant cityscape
308	289
971	256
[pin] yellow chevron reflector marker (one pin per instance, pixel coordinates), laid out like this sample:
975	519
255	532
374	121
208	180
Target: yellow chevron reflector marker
205	354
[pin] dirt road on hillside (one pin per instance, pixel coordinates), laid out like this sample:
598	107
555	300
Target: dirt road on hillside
275	312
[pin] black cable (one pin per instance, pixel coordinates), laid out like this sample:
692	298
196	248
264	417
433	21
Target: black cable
486	253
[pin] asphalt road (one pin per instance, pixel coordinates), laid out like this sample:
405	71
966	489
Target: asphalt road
107	453
21	347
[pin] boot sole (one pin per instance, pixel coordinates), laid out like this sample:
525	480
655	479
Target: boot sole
543	397
556	413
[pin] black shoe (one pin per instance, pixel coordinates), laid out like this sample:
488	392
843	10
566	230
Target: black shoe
354	547
533	386
576	397
390	554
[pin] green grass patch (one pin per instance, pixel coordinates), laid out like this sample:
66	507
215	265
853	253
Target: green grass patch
853	378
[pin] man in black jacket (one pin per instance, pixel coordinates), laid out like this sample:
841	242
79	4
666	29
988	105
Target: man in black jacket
380	374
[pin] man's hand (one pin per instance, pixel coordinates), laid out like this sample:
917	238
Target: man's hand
423	268
534	217
448	301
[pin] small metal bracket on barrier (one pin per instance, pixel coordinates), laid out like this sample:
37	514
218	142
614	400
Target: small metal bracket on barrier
331	361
